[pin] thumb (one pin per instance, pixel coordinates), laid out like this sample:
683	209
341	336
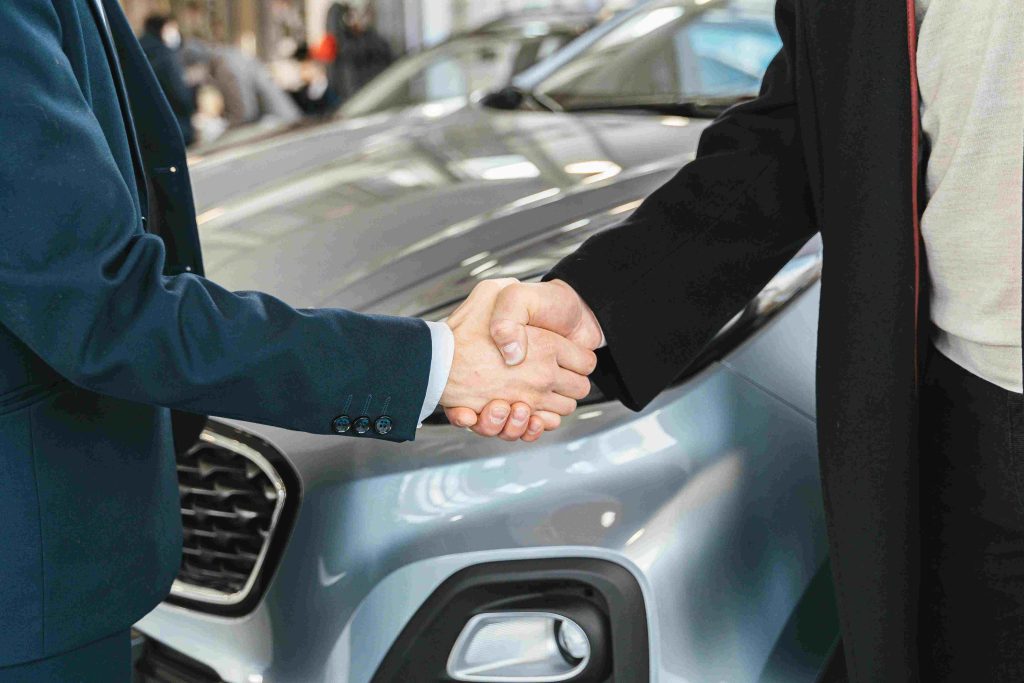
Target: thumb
510	337
461	417
553	306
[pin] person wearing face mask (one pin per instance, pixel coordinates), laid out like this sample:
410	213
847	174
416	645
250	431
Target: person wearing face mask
161	41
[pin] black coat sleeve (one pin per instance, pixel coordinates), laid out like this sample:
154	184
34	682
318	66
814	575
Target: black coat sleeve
663	282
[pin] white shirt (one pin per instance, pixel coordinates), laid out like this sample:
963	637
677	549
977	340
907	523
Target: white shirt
442	351
970	66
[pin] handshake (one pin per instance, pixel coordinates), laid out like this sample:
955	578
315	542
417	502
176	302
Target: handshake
522	356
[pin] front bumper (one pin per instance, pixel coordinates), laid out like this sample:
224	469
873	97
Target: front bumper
710	498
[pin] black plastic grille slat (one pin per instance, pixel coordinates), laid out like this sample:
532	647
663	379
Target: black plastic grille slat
227	508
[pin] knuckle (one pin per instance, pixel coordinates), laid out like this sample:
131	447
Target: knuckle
517	293
503	329
484	287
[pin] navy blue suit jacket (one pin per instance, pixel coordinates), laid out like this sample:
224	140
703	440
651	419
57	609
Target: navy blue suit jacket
106	323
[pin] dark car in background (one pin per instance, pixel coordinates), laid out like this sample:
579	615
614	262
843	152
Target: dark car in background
685	542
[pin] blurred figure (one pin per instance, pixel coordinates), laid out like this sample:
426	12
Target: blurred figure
194	21
161	41
373	53
249	93
287	29
340	75
361	52
308	86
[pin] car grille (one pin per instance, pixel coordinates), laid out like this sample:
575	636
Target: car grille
231	499
158	663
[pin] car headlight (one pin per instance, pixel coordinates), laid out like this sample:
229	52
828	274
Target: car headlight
528	261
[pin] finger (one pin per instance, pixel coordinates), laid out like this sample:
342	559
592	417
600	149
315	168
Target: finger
461	417
557	403
572	356
553	306
517	422
510	338
552	421
492	418
541	305
508	322
534	429
570	384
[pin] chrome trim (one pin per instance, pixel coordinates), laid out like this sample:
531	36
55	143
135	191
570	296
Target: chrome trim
467	630
209	595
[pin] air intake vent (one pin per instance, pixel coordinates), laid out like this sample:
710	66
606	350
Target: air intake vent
231	501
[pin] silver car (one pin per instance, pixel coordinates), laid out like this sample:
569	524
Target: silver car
468	63
682	543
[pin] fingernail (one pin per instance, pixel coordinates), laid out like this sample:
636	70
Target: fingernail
520	415
498	415
460	422
533	429
513	353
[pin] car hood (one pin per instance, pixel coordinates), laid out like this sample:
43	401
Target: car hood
355	213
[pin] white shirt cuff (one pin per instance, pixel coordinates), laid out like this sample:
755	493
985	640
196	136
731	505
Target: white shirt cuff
442	351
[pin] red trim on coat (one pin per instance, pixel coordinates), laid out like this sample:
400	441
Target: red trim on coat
915	146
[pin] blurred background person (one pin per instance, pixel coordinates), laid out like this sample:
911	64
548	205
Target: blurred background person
360	51
306	82
161	41
248	92
287	28
373	54
340	70
195	22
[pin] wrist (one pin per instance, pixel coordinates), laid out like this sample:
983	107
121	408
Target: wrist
588	331
442	343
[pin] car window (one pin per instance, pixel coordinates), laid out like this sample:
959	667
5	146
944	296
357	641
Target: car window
672	52
464	71
455	69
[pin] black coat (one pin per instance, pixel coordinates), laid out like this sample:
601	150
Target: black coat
832	144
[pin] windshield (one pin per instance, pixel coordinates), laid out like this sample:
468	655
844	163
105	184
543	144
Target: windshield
670	51
453	70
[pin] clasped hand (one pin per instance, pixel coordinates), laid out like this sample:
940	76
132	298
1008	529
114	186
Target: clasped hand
522	356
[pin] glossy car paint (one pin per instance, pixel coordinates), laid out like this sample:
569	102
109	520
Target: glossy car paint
710	496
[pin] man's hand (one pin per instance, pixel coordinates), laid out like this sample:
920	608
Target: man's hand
549	381
554	306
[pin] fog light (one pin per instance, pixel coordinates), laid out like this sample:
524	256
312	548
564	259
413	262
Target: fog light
519	647
573	640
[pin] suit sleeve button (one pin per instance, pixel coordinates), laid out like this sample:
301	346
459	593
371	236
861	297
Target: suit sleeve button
341	424
362	425
383	425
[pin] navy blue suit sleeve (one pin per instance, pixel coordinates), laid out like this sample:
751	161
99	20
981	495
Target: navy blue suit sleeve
669	277
82	284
